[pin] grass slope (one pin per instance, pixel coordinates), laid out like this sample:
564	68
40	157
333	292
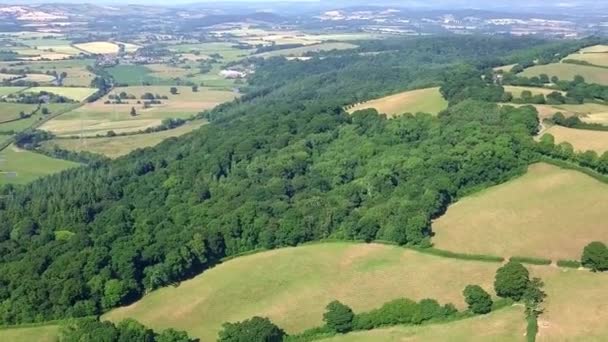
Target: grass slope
505	325
293	285
566	71
74	93
45	333
549	212
581	139
300	51
427	100
29	165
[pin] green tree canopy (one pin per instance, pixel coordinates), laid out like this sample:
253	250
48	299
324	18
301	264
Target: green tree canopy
511	280
595	256
339	317
479	301
256	329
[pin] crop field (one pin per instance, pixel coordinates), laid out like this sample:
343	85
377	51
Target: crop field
28	166
98	118
581	139
77	74
506	325
74	93
600	59
228	52
566	71
118	146
292	286
516	90
99	47
134	75
595	49
427	100
300	51
45	333
549	212
575	308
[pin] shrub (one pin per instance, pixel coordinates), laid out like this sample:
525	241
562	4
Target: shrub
529	260
511	280
254	329
569	263
339	317
478	299
595	256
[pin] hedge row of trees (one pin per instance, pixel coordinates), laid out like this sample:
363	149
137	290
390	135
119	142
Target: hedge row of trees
126	331
565	151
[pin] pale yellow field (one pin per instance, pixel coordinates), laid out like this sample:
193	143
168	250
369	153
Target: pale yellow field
506	325
593	58
118	146
516	91
595	49
292	286
567	71
98	47
74	93
98	118
504	68
427	100
549	212
581	139
46	333
41	78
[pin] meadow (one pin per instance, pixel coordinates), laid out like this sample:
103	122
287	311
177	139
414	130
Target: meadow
134	75
505	325
76	69
548	212
45	333
291	286
517	90
98	118
600	59
10	90
102	47
567	71
75	93
595	49
10	112
301	51
228	51
28	166
118	146
427	100
581	139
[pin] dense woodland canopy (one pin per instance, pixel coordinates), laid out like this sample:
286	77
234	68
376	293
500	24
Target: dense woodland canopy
283	165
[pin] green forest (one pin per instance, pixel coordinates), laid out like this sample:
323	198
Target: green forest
282	165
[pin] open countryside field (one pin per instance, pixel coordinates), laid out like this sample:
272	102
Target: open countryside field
549	212
595	49
98	118
28	166
292	286
581	139
600	59
10	112
575	308
506	325
118	146
45	333
427	100
301	51
74	93
566	71
76	69
516	90
10	90
103	47
228	51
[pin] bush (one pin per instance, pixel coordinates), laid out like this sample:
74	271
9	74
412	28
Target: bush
339	317
595	256
478	299
569	263
511	280
529	260
254	329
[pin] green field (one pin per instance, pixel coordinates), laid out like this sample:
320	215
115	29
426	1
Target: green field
566	71
600	59
516	90
505	325
293	285
74	93
228	52
580	139
549	212
301	51
9	90
134	75
118	146
77	73
28	166
45	333
98	118
427	100
11	111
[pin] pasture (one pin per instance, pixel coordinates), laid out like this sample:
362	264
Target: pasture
291	286
567	71
74	93
505	325
427	100
10	112
516	90
98	118
98	47
600	59
595	49
10	90
134	75
549	212
44	333
581	139
76	69
228	51
28	166
301	51
115	147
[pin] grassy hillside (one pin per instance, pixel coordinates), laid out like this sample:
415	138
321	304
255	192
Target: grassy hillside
300	51
566	71
427	100
581	139
28	166
293	285
505	325
45	333
549	212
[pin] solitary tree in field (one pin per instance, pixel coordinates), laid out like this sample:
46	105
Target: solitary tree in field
595	256
339	317
254	329
511	280
194	88
173	90
45	111
133	111
478	299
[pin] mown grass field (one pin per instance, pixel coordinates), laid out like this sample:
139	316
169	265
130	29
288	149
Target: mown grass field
77	74
74	93
516	90
98	118
576	308
293	285
549	212
28	165
566	71
118	146
581	139
228	52
595	49
134	75
600	59
104	47
46	333
427	100
506	325
10	111
300	51
10	90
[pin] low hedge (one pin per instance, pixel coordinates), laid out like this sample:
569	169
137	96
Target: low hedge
569	263
530	260
461	256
